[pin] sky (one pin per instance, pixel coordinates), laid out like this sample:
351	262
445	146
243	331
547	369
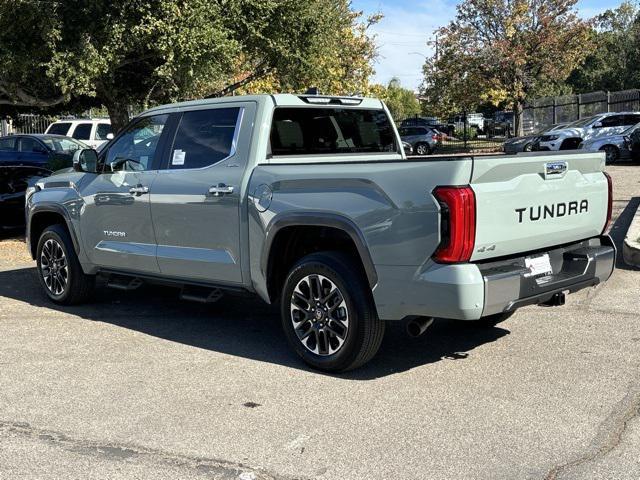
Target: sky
408	25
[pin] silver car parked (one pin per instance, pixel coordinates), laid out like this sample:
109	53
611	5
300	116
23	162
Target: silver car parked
423	140
615	146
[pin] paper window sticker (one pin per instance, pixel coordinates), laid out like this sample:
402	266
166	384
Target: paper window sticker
178	157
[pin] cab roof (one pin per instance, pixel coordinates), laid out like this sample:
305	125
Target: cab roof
279	100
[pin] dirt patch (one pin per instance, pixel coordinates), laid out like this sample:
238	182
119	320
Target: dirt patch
13	250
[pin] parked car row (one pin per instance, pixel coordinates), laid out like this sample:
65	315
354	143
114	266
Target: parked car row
23	159
606	132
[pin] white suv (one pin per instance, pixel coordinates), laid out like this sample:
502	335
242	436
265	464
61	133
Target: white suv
572	135
92	132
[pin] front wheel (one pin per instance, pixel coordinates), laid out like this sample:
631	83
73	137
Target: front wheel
59	270
328	314
612	154
423	149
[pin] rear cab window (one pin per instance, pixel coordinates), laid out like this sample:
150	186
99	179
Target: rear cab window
61	128
321	131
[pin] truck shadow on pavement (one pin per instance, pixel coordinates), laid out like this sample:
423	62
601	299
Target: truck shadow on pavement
245	327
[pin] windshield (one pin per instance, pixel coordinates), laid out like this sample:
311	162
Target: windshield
582	122
62	144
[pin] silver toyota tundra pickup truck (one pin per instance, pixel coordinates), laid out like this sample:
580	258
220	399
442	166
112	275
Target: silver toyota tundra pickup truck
310	202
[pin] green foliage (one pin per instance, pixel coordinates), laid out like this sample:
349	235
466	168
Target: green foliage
471	133
500	51
124	53
612	63
401	102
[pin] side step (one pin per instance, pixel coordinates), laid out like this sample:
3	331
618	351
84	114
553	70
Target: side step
200	294
123	282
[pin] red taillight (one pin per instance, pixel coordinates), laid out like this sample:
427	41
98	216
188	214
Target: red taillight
610	205
458	221
434	138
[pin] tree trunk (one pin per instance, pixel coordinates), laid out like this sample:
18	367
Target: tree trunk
118	114
518	117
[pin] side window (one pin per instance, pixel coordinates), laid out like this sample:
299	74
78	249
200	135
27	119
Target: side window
30	145
7	144
203	137
135	149
59	128
102	130
631	119
612	121
82	131
317	131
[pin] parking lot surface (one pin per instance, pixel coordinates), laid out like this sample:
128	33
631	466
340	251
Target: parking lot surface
140	385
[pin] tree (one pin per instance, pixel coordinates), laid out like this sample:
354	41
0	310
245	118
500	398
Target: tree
125	53
502	51
401	102
613	63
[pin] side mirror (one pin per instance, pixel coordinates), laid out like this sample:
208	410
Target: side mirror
597	125
85	160
109	136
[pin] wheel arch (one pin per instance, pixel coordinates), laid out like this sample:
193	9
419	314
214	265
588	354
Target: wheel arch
285	230
43	216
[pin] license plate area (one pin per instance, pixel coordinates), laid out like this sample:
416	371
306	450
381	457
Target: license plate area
539	267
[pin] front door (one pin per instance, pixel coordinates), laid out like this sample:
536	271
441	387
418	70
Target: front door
116	222
195	200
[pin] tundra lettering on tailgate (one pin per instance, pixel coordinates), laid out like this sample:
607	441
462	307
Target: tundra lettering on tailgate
542	212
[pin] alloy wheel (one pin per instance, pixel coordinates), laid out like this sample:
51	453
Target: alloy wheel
53	267
319	315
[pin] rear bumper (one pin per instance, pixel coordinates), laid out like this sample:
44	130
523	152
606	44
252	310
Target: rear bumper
474	290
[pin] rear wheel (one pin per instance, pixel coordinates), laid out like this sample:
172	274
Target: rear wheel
423	149
59	270
328	314
612	154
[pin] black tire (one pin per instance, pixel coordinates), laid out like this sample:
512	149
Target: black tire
528	147
362	336
422	149
612	153
77	287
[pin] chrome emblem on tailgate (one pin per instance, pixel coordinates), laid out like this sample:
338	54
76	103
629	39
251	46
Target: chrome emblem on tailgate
555	169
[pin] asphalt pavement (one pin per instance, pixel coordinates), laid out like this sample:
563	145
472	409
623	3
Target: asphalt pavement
140	385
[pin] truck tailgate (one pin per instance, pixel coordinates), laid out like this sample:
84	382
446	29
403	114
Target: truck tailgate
528	202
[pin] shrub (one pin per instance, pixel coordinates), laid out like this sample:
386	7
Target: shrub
470	134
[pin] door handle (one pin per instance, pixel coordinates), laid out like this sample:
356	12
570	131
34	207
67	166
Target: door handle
220	189
139	190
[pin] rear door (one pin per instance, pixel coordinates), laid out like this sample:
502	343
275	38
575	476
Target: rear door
32	152
197	197
115	220
528	202
8	149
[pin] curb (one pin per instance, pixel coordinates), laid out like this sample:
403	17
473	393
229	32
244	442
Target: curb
631	244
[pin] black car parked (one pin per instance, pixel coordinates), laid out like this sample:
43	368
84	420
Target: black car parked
23	159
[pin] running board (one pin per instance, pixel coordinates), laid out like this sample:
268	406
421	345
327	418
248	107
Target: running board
123	282
200	294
